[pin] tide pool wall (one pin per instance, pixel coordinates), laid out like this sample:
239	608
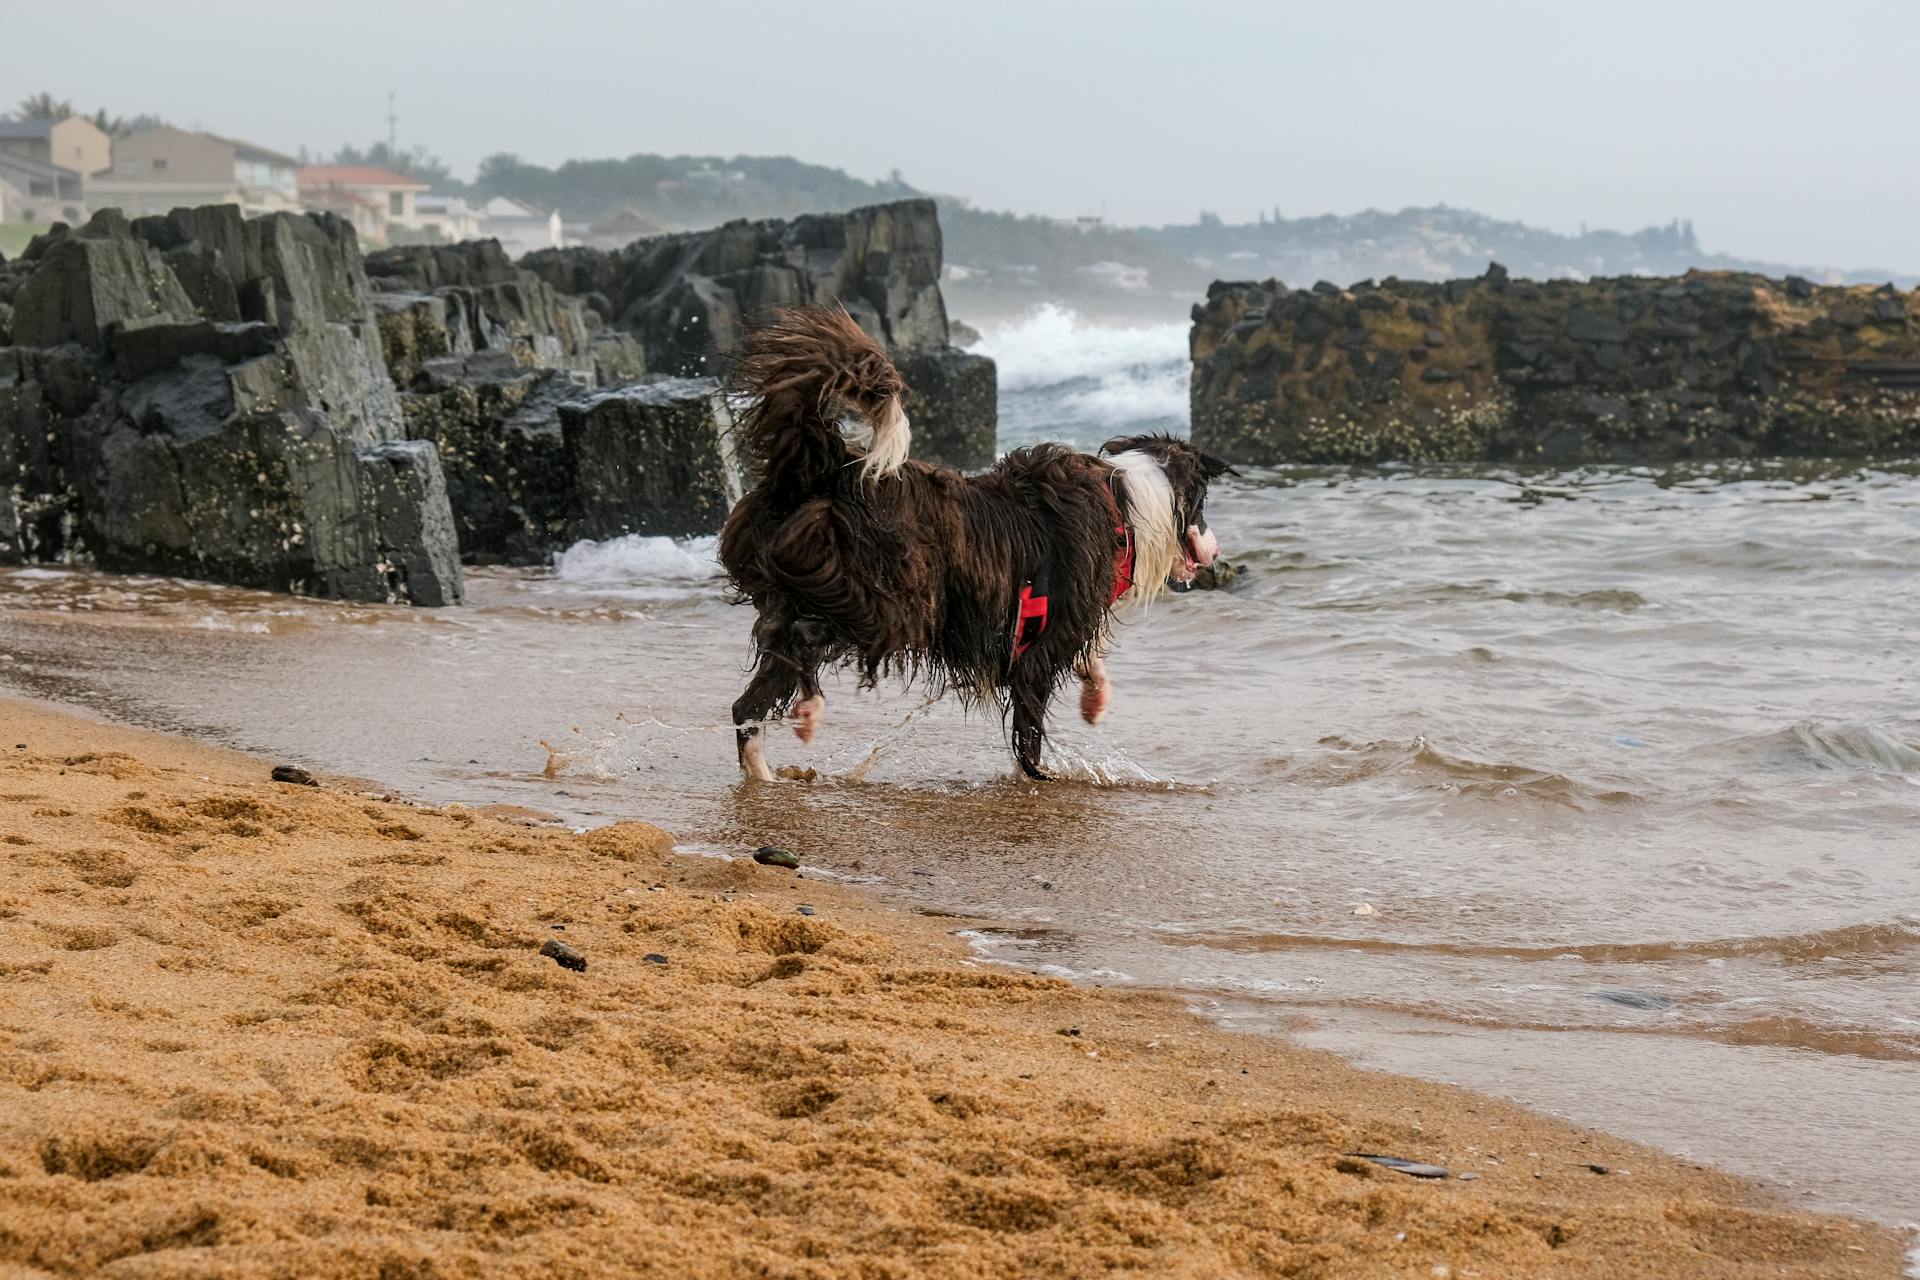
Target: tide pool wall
1709	365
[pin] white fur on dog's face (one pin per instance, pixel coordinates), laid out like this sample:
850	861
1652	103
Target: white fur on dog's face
1157	552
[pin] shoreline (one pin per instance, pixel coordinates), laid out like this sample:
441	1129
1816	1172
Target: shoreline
255	1026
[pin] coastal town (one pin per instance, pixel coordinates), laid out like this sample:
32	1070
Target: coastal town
57	165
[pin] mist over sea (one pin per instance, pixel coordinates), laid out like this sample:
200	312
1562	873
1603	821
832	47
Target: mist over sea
1597	789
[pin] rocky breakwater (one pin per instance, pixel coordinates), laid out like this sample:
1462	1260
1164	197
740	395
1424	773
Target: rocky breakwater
206	396
688	299
1707	365
576	394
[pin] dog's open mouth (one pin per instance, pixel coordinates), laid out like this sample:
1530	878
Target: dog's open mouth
1190	559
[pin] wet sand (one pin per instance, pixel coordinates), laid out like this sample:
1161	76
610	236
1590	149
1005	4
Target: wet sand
250	1028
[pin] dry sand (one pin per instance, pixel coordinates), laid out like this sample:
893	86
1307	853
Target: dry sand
249	1028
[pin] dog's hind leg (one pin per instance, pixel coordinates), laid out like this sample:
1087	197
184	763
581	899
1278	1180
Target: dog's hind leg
1030	691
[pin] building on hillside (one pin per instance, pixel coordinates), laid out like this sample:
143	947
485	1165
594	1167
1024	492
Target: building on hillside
75	143
368	214
520	227
32	191
618	230
160	169
380	197
451	216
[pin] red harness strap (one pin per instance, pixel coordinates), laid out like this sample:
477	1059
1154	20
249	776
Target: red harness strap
1030	611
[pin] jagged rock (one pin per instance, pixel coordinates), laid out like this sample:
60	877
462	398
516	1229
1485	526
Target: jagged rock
413	525
462	298
688	296
210	400
90	281
651	458
952	401
509	480
1713	364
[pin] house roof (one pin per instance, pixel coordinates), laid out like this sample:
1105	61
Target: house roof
248	151
37	168
357	175
506	207
26	128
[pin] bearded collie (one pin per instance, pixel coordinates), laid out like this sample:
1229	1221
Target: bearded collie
996	586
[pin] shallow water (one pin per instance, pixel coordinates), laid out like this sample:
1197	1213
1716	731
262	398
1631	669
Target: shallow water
1623	765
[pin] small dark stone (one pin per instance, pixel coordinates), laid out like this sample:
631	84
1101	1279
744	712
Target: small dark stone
1799	287
1599	1168
1434	338
293	773
1412	1168
1069	1031
565	956
804	909
654	957
1636	999
768	855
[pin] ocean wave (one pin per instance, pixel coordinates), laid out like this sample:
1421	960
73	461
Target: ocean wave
1864	747
1052	345
1892	940
1349	762
638	558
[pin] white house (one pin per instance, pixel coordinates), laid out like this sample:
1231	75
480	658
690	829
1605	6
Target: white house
451	216
520	227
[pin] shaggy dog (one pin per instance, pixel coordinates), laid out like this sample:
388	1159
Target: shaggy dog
996	585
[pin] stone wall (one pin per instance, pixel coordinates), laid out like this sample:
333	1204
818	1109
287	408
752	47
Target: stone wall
205	396
1708	365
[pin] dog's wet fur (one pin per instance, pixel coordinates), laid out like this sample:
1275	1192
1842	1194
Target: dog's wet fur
864	557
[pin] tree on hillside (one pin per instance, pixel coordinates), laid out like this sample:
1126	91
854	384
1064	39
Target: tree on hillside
43	106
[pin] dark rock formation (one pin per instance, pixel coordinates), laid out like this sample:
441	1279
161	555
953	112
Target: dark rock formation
654	458
952	400
207	396
1708	365
688	299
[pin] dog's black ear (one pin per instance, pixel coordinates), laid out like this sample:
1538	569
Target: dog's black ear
1120	444
1214	467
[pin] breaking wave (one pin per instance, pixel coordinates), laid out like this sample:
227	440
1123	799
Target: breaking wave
637	558
1057	372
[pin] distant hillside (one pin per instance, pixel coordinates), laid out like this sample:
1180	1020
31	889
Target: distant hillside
1003	264
1441	243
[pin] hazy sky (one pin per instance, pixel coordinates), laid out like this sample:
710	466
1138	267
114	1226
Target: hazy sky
1783	129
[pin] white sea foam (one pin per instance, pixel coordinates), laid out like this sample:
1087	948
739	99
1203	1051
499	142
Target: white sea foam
637	558
1053	345
1061	377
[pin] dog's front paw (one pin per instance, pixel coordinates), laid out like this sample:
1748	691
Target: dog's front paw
806	717
1095	695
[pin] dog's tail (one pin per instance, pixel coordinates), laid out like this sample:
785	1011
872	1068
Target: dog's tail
804	369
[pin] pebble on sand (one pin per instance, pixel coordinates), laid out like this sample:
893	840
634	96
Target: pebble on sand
294	774
768	855
565	956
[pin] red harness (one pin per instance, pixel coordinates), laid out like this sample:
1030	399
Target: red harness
1030	611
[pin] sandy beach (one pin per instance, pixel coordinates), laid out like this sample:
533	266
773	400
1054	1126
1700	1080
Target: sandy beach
254	1028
